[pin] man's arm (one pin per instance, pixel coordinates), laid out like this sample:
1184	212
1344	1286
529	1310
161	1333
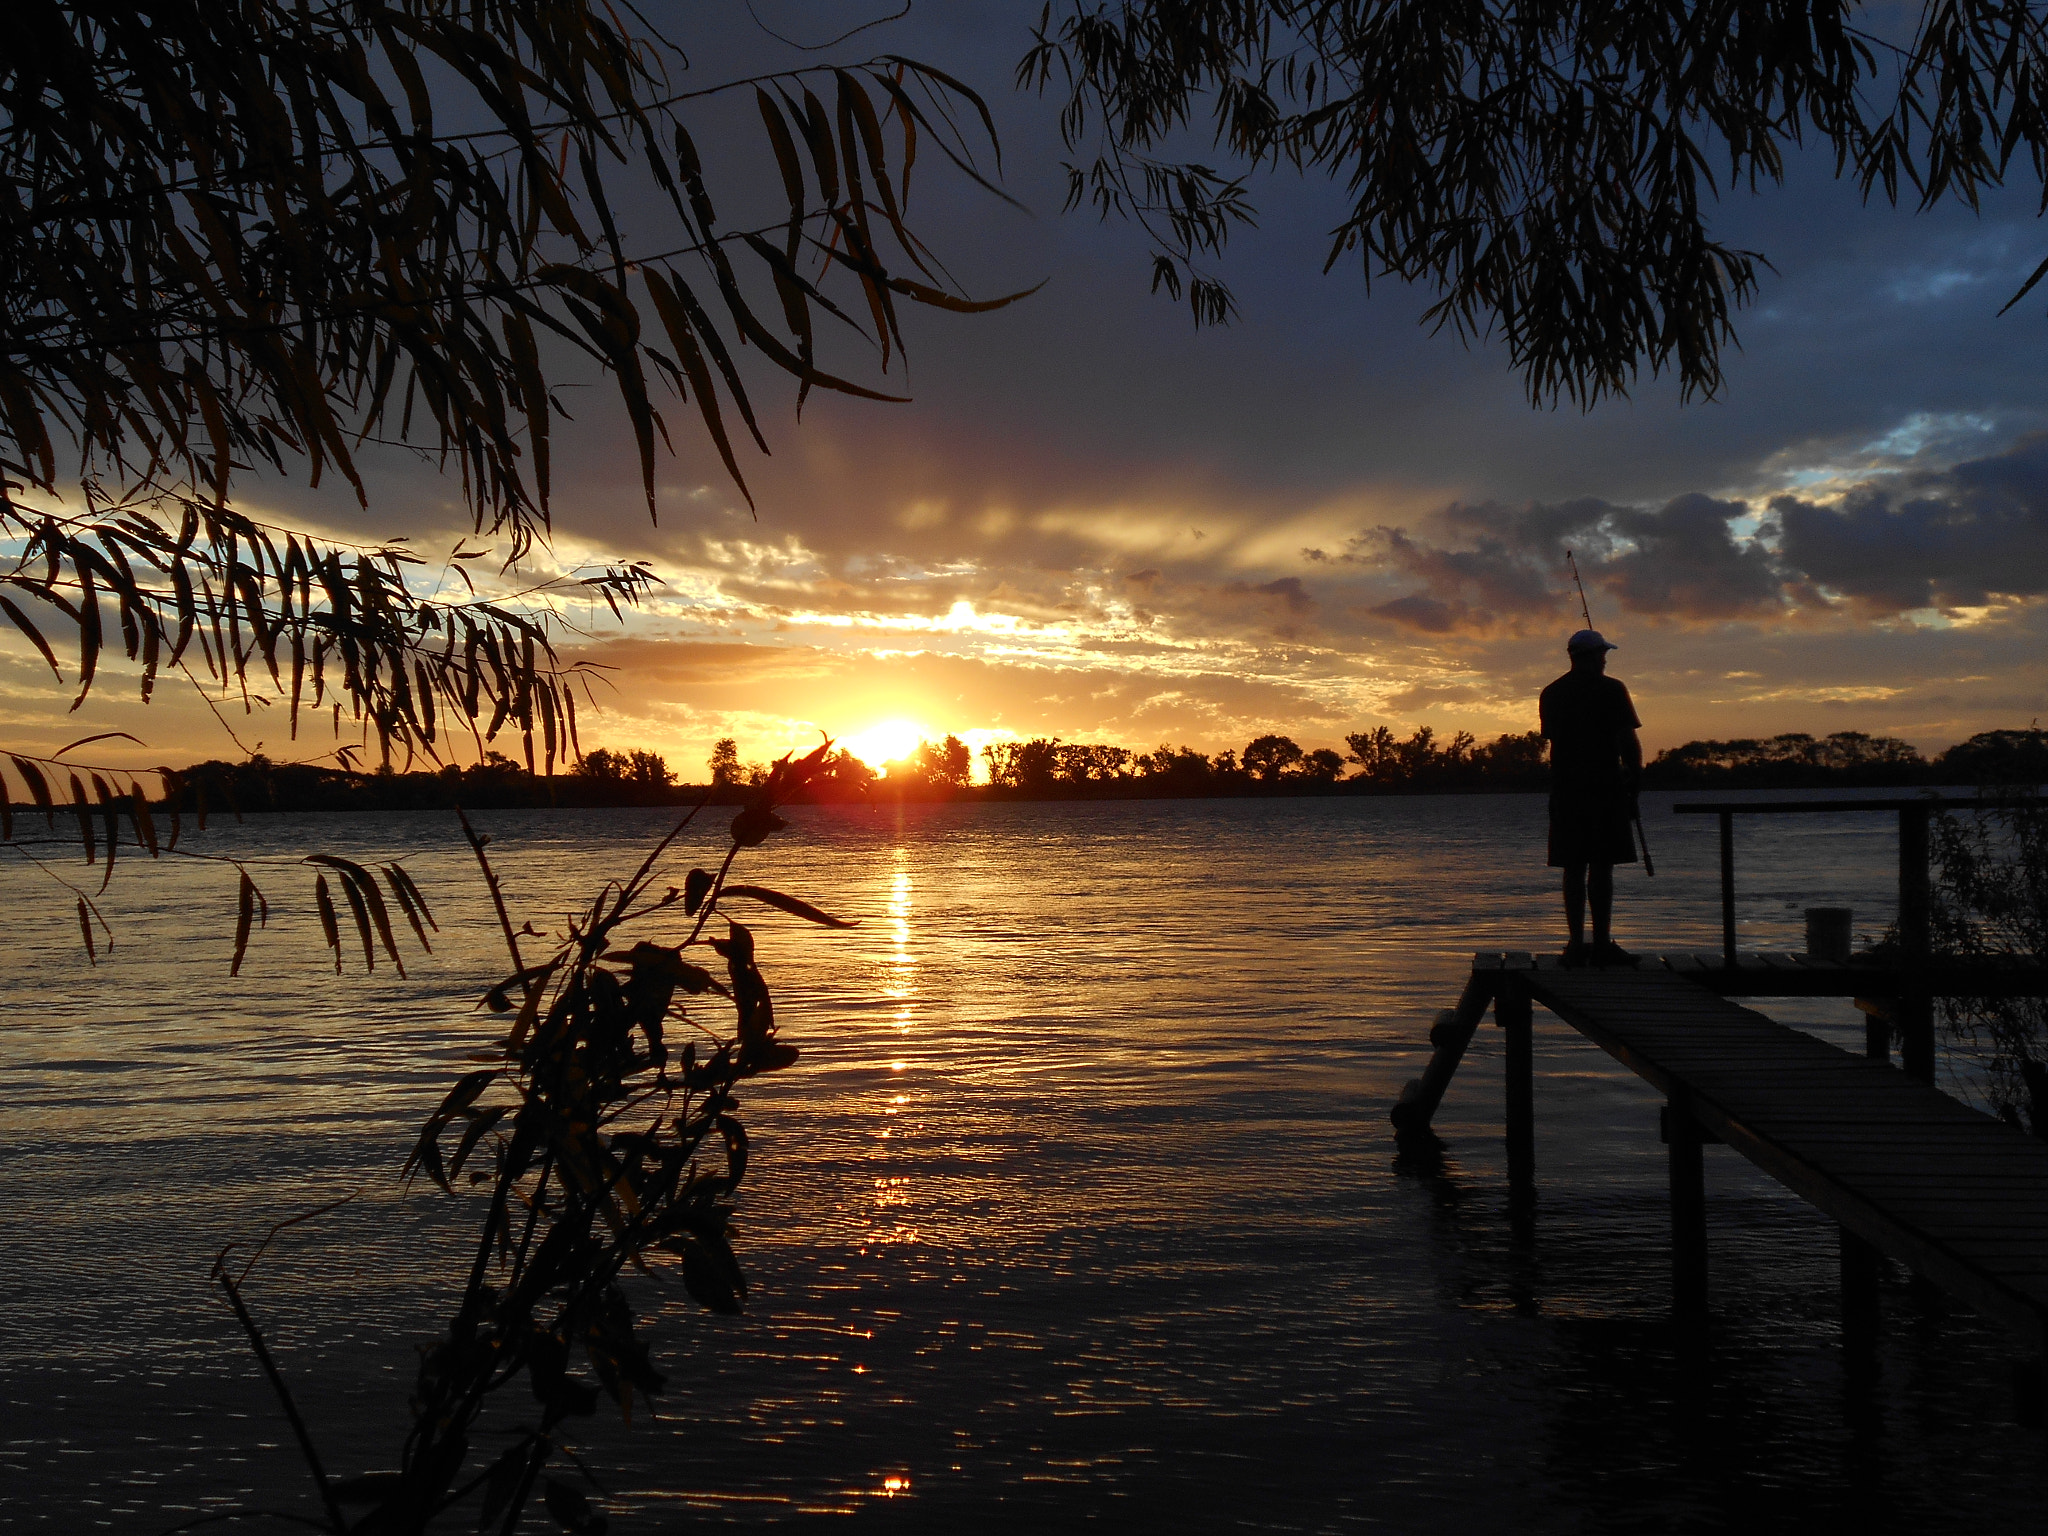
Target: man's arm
1630	744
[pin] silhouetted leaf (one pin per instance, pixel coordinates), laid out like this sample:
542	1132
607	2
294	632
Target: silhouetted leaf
244	917
366	903
145	824
324	900
86	741
38	788
111	815
696	886
735	1136
712	1275
85	931
789	904
35	636
504	1479
402	881
402	892
83	807
571	1509
478	1129
754	825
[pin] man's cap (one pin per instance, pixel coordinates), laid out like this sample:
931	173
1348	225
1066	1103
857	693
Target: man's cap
1590	640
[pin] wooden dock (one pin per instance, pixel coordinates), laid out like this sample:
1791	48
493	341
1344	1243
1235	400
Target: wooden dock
1904	1169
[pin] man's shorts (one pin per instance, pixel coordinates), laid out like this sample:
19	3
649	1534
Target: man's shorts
1591	829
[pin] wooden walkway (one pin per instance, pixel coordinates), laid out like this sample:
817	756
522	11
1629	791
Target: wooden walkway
1789	975
1907	1171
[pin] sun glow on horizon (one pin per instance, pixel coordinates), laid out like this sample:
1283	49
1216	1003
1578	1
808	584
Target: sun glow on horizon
889	741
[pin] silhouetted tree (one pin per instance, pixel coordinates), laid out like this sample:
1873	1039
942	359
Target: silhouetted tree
1548	170
948	764
1793	757
1092	763
1182	767
1998	757
846	776
1030	764
1268	757
725	761
1322	766
1508	761
649	768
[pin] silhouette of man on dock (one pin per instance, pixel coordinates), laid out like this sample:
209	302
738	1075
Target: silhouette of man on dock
1596	767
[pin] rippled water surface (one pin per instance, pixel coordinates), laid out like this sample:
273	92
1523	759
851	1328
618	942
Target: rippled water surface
1080	1206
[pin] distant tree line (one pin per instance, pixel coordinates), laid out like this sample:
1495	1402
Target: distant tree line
1796	760
1375	762
1379	762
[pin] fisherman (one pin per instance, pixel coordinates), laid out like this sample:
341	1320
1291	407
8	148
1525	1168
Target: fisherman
1596	768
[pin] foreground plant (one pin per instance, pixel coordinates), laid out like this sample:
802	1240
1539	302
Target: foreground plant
1991	898
604	1145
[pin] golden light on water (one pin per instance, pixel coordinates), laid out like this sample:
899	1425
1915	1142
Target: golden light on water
889	741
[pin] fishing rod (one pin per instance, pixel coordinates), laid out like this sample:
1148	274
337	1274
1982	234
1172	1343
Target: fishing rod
1583	609
1649	865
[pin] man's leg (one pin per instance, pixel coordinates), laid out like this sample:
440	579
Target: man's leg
1575	900
1599	884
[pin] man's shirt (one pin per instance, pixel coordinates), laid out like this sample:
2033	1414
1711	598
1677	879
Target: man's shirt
1584	715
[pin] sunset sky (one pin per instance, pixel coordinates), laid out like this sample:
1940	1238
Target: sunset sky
1096	522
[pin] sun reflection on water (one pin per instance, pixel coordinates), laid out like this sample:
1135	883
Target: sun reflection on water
1119	1222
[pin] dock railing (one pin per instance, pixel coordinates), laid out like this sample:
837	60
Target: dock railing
1915	1015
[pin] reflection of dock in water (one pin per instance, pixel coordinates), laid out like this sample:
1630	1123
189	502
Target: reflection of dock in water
1905	1170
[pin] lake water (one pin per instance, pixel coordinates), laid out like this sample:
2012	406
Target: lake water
1080	1207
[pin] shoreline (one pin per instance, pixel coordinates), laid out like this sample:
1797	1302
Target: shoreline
432	792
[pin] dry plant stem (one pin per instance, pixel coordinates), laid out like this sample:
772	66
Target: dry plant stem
476	846
284	1396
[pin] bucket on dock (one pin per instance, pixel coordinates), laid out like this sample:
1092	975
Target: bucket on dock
1827	932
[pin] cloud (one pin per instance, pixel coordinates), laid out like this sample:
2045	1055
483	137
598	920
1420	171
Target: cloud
1972	535
1489	567
1289	591
1684	560
1425	697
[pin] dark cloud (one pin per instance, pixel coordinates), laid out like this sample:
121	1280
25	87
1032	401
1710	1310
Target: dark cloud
1288	589
1499	567
1683	560
1971	535
1430	615
1964	537
1422	699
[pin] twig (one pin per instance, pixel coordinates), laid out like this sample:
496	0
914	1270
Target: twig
476	846
284	1396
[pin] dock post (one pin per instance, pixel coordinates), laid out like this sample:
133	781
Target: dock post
1915	1012
1688	1210
1514	1012
1877	1027
1860	1265
1728	889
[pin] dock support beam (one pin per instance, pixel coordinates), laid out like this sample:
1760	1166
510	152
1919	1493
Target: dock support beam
1877	1027
1728	890
1860	1266
1448	1037
1688	1210
1514	1012
1915	1014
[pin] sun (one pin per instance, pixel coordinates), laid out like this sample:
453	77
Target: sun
889	742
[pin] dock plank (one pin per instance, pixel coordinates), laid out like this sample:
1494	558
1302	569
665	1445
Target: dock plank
1961	1197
